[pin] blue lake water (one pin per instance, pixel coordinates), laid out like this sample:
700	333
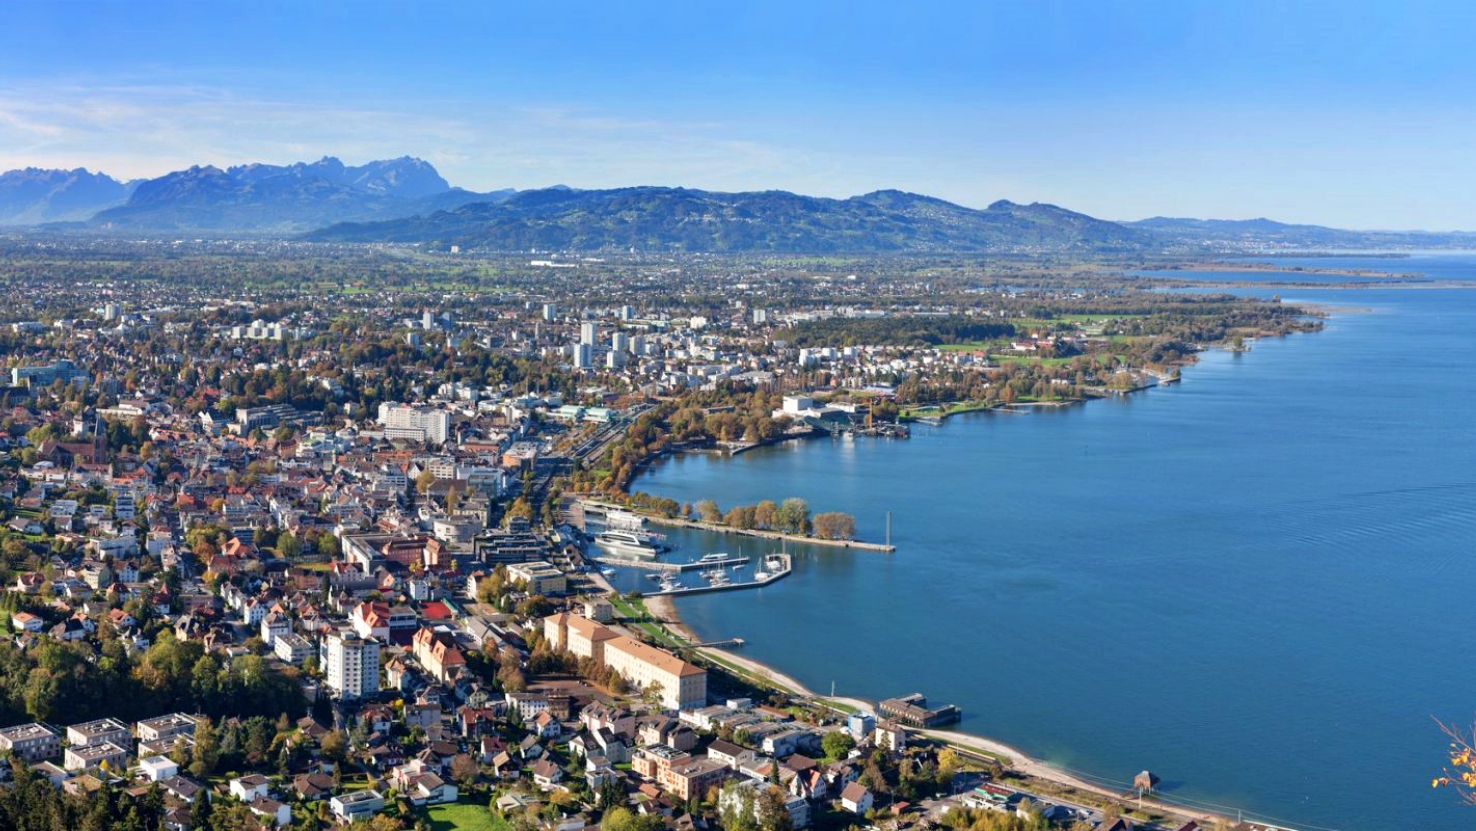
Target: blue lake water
1253	583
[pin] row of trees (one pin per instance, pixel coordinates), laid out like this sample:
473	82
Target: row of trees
792	516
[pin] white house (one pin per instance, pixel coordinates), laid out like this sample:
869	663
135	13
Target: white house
272	810
251	787
356	805
856	798
157	768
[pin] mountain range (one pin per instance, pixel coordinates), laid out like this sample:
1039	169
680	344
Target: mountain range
680	219
406	200
264	198
1238	234
33	196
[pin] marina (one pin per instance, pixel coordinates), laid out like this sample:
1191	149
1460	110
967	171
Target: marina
775	567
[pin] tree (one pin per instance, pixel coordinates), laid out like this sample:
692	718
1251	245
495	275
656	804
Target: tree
609	794
464	770
773	814
708	511
835	526
622	819
1460	768
949	763
765	514
736	810
740	517
837	743
206	753
793	516
334	745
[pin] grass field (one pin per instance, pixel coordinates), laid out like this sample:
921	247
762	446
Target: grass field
464	816
952	408
639	617
1026	359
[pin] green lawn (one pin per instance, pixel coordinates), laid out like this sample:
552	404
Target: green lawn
1026	359
465	816
638	617
951	408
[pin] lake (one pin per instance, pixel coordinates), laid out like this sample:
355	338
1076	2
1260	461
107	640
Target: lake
1252	583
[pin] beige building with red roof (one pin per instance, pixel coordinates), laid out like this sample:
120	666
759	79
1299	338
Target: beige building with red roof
438	654
683	686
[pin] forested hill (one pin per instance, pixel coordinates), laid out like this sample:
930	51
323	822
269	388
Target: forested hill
679	219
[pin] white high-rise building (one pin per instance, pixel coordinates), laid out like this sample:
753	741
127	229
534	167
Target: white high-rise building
550	311
422	424
620	342
760	316
589	333
583	356
351	664
112	311
627	313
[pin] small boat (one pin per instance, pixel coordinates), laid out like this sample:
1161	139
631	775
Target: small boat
607	571
655	575
760	575
712	558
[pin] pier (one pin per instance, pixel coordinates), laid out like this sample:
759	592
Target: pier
582	509
729	643
657	565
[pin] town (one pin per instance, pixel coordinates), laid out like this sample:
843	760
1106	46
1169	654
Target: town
295	536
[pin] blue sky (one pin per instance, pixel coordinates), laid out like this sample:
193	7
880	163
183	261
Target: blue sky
1349	114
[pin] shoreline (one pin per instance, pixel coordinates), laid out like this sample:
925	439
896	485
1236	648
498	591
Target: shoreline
663	612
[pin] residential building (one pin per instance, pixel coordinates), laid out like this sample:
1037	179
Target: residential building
251	786
162	728
351	665
797	806
856	798
436	651
274	626
99	731
729	754
890	735
157	768
292	648
693	777
105	755
356	805
32	742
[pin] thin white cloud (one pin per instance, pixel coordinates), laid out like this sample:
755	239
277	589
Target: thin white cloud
147	130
